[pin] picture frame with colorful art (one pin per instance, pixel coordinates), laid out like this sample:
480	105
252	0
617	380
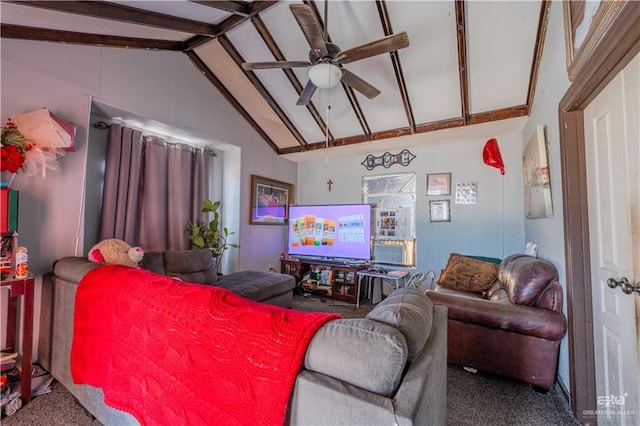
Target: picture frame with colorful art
270	200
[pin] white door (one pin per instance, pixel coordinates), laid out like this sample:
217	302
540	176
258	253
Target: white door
612	137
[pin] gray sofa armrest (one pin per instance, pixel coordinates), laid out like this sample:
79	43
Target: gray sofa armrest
318	399
363	352
422	397
73	268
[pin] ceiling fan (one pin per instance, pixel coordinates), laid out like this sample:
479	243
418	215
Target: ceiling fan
326	59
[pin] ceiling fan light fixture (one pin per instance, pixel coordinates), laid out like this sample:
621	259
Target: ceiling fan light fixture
325	75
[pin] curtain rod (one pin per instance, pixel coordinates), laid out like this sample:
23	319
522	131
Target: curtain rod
102	126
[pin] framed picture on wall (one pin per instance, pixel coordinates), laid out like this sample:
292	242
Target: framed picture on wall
537	182
440	211
585	23
439	184
270	200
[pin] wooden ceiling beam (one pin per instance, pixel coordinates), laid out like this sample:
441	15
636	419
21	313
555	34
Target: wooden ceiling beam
484	117
461	29
357	109
230	23
498	114
537	52
273	47
132	15
239	60
40	34
241	8
209	75
235	20
395	60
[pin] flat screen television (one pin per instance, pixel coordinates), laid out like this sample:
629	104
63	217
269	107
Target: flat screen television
337	231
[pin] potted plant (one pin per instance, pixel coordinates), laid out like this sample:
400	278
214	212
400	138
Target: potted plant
209	235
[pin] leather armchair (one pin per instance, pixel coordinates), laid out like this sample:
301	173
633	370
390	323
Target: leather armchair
515	328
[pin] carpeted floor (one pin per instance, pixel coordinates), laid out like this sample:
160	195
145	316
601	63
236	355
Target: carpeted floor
473	399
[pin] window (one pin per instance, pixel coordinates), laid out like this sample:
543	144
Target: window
393	201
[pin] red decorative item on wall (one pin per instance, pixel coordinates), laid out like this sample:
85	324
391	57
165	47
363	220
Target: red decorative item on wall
491	155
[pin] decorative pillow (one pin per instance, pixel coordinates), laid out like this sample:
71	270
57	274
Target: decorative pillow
467	274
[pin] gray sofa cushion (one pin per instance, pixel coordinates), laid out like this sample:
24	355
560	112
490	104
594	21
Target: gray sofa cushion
365	353
194	266
153	261
411	312
257	285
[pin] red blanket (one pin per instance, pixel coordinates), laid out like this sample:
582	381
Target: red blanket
170	352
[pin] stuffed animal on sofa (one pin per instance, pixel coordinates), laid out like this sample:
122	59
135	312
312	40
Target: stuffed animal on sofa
113	251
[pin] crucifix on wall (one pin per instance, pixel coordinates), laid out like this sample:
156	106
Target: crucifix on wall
329	182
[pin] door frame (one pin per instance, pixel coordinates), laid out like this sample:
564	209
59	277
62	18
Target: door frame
616	49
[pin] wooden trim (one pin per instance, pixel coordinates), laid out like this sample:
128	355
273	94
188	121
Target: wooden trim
209	75
116	12
537	53
230	23
241	8
462	59
501	114
578	275
397	65
20	32
600	24
616	49
498	114
235	20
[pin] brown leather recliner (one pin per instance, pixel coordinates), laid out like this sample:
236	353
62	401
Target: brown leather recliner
515	329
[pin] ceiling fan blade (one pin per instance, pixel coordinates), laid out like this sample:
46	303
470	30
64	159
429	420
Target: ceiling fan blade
307	93
373	48
310	27
352	80
248	66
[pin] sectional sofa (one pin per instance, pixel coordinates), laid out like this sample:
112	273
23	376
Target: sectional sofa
388	368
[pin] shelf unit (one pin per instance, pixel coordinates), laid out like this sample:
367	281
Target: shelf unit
343	279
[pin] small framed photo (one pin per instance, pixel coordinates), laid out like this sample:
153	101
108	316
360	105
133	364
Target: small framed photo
439	211
439	184
270	200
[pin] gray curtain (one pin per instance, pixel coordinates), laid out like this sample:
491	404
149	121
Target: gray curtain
152	190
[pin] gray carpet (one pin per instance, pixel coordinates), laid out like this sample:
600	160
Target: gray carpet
473	399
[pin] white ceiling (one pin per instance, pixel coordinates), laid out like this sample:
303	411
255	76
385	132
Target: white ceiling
502	49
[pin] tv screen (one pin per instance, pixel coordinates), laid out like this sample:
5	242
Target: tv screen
330	231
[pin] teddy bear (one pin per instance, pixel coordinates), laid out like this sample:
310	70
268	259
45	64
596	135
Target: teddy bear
116	252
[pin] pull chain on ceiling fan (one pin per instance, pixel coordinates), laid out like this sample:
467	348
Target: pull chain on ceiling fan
327	60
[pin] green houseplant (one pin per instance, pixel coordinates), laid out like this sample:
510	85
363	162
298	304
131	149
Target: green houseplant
209	235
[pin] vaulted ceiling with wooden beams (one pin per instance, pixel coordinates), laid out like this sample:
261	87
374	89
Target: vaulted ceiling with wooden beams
403	67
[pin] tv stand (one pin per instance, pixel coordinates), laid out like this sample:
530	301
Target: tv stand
339	279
